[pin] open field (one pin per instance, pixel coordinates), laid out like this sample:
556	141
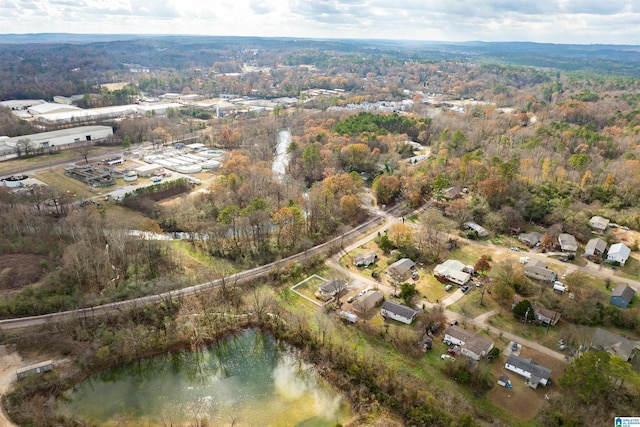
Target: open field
469	305
56	178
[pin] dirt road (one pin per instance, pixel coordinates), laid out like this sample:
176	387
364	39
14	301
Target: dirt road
9	362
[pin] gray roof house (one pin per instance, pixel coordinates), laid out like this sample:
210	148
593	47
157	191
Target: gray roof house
399	269
598	224
471	344
567	242
530	239
368	301
399	312
612	343
528	368
451	193
543	315
329	289
365	260
538	270
595	248
622	296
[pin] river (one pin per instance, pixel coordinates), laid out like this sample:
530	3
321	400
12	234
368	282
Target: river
246	380
281	158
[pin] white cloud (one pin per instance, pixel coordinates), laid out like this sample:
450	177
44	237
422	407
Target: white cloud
559	21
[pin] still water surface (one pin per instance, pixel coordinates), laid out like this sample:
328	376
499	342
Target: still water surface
247	380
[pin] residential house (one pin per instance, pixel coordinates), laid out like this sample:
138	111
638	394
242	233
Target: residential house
400	269
368	301
480	230
451	193
614	344
330	289
452	271
399	312
530	239
567	243
598	224
538	270
543	315
365	260
534	373
618	252
622	296
471	344
595	248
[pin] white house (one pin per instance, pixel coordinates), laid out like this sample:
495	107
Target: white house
399	269
534	373
399	312
471	344
618	252
452	271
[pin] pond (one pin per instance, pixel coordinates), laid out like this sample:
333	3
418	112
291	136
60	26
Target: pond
246	380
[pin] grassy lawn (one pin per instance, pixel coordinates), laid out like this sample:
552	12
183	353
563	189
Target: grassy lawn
469	305
309	285
429	287
56	178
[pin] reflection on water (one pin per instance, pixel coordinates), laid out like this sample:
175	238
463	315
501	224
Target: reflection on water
247	380
281	158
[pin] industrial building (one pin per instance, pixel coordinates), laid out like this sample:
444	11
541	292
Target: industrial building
60	137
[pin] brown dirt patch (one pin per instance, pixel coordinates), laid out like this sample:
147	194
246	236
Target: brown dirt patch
522	401
19	270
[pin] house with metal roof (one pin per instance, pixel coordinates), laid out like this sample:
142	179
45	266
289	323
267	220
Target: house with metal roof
452	271
534	373
618	252
399	312
622	296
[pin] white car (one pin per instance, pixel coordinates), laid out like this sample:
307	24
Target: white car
448	357
362	292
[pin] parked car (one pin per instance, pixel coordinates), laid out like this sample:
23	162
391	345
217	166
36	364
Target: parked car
465	288
452	351
625	228
362	292
448	288
448	357
514	346
351	299
515	248
454	323
564	259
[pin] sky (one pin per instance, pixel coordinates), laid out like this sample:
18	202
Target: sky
553	21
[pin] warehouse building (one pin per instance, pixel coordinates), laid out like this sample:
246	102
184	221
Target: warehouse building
58	138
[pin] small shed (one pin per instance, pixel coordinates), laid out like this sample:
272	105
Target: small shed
503	381
622	296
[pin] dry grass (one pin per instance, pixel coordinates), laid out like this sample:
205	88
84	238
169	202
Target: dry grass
522	401
56	178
